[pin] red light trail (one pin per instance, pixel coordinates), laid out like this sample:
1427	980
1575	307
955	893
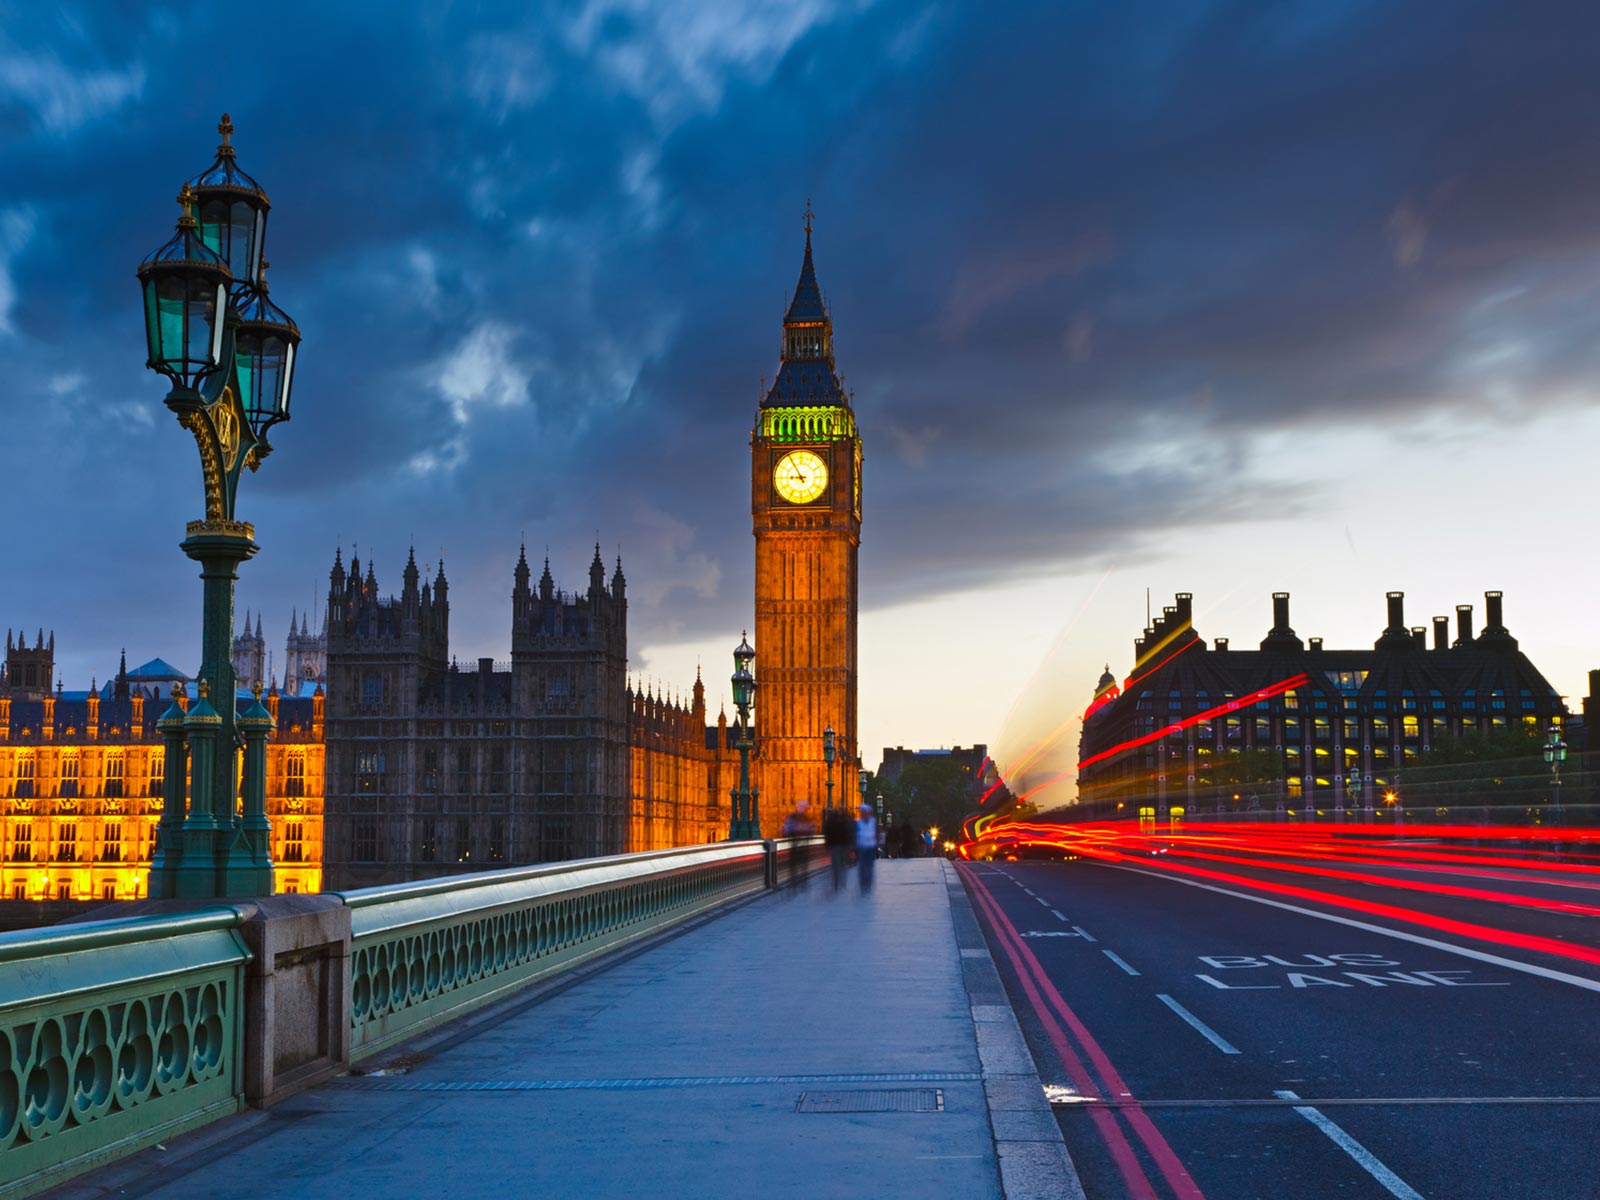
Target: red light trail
1300	849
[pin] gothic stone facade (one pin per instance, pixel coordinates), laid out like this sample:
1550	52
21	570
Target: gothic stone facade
80	786
435	768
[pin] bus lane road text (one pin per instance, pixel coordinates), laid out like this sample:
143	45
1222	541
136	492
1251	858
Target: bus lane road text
1271	972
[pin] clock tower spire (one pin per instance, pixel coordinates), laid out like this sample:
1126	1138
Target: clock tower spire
805	503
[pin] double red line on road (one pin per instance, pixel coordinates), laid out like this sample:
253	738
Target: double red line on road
1057	1018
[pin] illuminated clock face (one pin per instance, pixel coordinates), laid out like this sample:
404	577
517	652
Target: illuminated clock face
800	476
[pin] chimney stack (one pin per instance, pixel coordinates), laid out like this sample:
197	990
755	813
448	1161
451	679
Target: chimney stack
1441	633
1397	612
1395	635
1185	607
1463	624
1316	643
1280	636
1222	643
1491	612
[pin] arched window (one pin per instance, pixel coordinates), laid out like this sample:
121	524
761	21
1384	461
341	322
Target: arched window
114	767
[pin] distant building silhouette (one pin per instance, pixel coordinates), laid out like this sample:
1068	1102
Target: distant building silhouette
1185	724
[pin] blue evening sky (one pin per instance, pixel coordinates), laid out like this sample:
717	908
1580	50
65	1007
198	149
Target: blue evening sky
1209	297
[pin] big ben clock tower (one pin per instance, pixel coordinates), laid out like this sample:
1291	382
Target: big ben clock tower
805	502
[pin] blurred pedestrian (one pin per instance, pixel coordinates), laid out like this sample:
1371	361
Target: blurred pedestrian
839	835
798	824
866	844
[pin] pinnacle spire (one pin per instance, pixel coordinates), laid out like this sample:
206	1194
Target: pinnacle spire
806	376
807	306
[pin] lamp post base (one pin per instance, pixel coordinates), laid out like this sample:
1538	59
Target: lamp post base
222	853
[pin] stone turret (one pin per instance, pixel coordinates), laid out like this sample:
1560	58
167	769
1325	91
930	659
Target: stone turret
29	671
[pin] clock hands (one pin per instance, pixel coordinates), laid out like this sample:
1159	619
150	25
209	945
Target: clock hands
801	477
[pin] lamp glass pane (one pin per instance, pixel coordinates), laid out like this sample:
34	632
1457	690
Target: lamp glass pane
288	381
242	238
258	235
247	367
213	222
270	390
218	307
152	321
171	296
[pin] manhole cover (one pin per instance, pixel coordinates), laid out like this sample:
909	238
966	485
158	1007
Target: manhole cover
881	1100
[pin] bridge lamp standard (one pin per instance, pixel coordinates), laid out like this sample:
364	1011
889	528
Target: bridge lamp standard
1555	753
829	753
229	354
746	821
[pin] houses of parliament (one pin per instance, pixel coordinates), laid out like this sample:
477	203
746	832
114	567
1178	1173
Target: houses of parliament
392	761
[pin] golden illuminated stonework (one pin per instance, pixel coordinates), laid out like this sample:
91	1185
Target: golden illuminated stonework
805	508
242	529
800	476
225	420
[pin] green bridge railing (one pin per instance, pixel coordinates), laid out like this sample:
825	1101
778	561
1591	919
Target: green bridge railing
117	1034
424	953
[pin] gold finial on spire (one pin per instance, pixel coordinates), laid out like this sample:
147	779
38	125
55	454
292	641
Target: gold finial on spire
205	687
255	690
186	199
810	216
225	128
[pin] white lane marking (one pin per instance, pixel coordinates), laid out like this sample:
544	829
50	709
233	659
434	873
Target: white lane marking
1085	934
1199	1026
1592	985
1121	962
1042	901
1056	913
1365	1159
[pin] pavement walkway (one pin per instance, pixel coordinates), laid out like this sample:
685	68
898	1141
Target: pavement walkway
738	1058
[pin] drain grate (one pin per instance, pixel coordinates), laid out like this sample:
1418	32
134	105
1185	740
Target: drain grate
879	1100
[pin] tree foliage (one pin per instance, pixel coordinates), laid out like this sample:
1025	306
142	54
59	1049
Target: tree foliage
930	792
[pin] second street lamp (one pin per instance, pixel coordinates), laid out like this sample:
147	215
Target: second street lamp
1555	753
828	755
746	822
229	353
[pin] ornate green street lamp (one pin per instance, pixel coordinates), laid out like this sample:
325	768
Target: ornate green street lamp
1555	753
746	821
229	353
828	755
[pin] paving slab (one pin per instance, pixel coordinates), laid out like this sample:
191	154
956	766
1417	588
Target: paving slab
676	1072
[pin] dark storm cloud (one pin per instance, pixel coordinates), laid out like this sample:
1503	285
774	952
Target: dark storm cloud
1076	257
